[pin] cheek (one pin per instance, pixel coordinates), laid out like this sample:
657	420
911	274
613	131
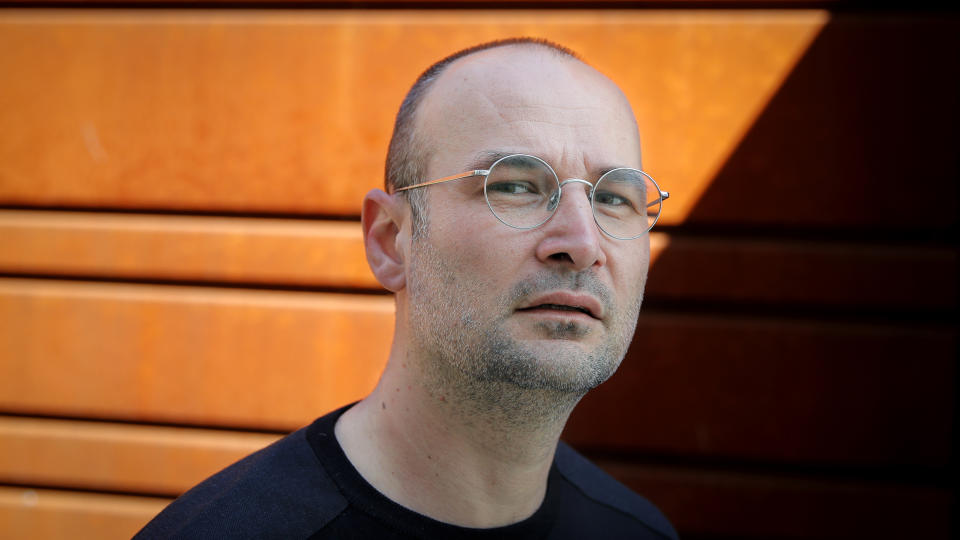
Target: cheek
472	239
630	275
481	264
486	265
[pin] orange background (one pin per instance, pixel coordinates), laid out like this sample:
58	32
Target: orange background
182	278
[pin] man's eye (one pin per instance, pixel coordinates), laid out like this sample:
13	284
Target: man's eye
512	188
607	198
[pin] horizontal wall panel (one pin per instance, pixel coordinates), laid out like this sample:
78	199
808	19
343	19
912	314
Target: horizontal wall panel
51	514
448	3
130	457
267	111
719	504
258	359
117	457
778	390
697	501
785	390
701	503
152	247
805	273
330	254
270	111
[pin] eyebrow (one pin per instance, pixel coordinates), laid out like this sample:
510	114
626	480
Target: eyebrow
483	159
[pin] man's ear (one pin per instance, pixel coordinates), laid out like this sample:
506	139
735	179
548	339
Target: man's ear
382	220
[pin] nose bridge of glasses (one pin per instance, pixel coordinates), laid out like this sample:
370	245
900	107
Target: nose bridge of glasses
577	180
555	200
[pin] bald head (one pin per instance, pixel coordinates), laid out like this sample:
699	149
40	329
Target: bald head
404	148
535	94
527	100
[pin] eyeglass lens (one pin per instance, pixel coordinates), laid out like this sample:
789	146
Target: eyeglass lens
523	192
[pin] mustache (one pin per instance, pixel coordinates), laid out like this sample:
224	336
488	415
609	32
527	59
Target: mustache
587	282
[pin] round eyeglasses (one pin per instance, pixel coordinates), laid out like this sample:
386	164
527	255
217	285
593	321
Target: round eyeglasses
524	192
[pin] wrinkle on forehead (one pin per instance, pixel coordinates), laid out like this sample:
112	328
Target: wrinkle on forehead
528	98
554	85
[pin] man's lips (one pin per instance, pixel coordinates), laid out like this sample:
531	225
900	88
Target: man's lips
566	301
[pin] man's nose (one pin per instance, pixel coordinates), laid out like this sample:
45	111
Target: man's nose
571	236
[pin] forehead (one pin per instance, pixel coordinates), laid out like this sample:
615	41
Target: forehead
526	99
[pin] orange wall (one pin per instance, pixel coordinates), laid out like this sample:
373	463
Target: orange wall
182	278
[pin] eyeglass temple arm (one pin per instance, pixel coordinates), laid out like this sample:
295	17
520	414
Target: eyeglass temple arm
467	174
664	195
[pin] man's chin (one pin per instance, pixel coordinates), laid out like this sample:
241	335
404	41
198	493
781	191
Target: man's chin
573	365
563	330
577	329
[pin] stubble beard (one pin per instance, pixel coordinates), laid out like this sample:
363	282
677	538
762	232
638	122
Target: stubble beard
472	355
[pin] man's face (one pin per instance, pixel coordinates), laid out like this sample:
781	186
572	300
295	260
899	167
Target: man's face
553	307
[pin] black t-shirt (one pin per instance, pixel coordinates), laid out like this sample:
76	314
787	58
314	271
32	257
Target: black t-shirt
303	486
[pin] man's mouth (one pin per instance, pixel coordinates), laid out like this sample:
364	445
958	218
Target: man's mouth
559	307
562	301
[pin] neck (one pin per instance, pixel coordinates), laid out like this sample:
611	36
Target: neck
471	453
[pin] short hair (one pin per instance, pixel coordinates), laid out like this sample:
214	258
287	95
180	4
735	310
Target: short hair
407	154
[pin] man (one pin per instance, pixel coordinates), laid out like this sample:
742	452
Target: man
513	234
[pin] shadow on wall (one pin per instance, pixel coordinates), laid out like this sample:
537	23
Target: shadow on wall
862	136
793	371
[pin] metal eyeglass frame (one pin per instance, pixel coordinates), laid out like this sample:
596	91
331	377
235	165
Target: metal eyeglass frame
664	195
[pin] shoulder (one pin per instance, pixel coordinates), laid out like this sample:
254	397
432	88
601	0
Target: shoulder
607	496
281	491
